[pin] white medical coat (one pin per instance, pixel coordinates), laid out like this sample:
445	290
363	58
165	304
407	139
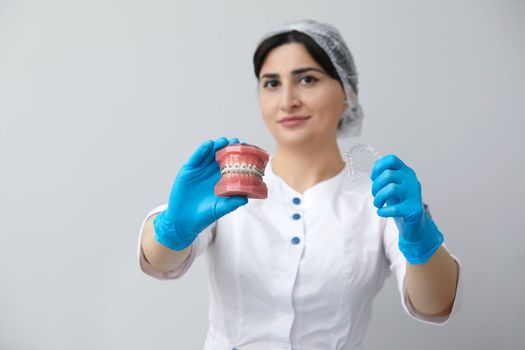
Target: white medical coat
298	271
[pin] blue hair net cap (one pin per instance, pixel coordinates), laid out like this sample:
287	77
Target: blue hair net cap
331	41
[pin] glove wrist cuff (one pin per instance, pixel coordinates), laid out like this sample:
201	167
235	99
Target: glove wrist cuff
419	252
167	234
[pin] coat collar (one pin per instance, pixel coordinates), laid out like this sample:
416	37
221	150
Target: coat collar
280	188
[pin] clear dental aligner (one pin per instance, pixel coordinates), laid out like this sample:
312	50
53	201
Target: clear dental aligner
359	147
242	168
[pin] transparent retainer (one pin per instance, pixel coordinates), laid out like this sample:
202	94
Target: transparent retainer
357	148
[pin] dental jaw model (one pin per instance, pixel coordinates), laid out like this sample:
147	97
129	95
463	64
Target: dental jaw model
242	169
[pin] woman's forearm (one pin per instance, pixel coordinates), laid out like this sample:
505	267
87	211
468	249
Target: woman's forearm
431	287
161	257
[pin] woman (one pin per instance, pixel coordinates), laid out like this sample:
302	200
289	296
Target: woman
301	268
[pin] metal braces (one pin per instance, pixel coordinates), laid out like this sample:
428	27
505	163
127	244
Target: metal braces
242	168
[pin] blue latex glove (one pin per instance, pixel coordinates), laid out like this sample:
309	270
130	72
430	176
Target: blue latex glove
395	184
192	205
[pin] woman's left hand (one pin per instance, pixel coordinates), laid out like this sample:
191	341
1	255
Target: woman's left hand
396	184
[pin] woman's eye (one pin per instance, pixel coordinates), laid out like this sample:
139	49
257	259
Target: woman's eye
309	79
274	82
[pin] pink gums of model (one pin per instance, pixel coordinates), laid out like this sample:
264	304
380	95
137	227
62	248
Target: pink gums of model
242	169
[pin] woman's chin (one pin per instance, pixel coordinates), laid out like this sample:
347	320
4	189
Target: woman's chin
295	139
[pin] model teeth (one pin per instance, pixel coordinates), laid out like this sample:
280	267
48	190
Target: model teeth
242	168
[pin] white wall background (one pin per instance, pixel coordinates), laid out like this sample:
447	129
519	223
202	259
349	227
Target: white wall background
102	101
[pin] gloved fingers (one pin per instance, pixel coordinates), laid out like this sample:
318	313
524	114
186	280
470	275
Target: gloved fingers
225	205
392	210
390	161
400	209
210	176
413	211
410	213
386	177
217	145
202	151
392	192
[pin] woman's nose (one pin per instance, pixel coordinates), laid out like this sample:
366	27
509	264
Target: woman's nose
289	98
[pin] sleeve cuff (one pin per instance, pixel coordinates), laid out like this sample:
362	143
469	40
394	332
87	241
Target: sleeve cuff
197	248
439	320
150	270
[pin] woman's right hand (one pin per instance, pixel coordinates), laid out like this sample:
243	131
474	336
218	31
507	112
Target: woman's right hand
192	205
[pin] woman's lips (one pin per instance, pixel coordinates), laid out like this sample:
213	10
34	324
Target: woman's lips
293	121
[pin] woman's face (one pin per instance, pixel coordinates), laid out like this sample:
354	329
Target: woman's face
292	83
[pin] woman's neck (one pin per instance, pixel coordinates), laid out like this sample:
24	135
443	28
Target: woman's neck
304	168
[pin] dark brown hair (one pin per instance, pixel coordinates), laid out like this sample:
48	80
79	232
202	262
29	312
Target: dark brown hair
294	36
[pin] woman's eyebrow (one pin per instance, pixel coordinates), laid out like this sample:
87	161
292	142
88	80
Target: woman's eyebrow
294	72
306	69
